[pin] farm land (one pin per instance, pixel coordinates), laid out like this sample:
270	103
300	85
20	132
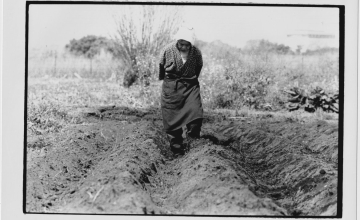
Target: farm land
95	146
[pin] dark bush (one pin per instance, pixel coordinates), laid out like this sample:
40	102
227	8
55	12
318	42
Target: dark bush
88	46
322	51
317	98
265	46
130	77
138	47
223	101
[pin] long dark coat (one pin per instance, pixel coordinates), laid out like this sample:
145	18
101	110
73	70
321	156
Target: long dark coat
180	98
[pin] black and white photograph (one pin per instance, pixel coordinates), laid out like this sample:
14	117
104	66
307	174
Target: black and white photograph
185	109
163	110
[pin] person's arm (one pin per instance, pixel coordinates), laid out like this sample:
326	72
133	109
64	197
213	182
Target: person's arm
161	66
199	64
198	70
161	72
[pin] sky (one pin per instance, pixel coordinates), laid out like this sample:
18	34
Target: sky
53	26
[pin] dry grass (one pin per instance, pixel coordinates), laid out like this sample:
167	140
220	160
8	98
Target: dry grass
64	65
250	82
263	78
51	99
50	102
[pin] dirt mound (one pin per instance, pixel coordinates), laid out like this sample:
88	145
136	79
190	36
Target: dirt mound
118	162
294	164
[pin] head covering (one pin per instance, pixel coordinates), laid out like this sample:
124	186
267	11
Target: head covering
186	33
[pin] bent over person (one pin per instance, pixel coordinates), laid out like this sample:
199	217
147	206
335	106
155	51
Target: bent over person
180	66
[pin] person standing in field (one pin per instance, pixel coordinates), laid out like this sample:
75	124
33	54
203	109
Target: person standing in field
179	67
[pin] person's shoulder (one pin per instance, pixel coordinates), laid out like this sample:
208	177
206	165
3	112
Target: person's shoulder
168	47
197	50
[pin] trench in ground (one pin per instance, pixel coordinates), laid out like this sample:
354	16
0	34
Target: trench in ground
234	169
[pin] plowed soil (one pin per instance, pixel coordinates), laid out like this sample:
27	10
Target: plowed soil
118	162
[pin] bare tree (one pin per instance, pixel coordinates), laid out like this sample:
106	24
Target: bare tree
142	31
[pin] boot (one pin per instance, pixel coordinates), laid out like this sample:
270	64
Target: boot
176	142
193	132
177	150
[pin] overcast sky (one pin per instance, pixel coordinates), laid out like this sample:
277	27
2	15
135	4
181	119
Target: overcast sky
53	26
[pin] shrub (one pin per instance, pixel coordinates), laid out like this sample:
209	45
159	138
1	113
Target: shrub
265	46
242	84
223	101
321	51
142	31
88	47
130	77
312	101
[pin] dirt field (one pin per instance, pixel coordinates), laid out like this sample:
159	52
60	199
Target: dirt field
117	161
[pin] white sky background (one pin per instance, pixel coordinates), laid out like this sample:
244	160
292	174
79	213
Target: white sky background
53	26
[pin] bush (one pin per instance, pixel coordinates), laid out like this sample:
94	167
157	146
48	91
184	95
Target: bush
142	31
265	46
256	80
312	101
240	84
130	77
88	46
223	101
321	51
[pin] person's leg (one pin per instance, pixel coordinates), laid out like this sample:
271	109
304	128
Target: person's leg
176	140
194	128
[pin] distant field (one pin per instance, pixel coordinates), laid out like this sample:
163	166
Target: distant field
228	79
241	82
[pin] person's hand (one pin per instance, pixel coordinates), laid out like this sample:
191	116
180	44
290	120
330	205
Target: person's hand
171	68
